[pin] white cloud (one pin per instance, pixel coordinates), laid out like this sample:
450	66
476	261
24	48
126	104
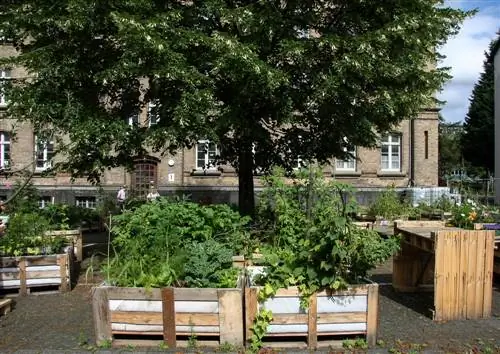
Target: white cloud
465	55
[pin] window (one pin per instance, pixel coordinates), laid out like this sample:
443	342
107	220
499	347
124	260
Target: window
426	144
4	150
86	202
144	176
5	74
133	119
45	201
44	152
153	116
391	152
348	164
206	154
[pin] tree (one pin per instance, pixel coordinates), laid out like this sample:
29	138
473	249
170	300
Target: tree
450	150
269	81
478	140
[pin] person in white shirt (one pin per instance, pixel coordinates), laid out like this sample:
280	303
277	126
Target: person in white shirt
121	197
153	194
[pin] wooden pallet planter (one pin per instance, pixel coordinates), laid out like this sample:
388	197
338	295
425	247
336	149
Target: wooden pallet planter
121	315
456	264
75	239
29	273
5	306
329	316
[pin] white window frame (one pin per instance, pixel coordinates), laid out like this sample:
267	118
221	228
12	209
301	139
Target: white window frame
45	200
390	141
5	74
4	140
47	163
88	202
208	164
151	106
349	164
133	120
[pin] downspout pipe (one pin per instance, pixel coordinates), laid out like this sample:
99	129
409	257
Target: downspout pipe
411	162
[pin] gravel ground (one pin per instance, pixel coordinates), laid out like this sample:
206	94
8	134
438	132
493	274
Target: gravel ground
63	323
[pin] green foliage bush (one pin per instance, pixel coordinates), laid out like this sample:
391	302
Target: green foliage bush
65	217
176	243
25	236
388	205
316	245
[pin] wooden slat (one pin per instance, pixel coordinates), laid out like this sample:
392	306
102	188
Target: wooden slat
488	273
44	274
117	293
168	307
14	275
156	318
471	276
312	325
62	261
22	277
231	317
479	279
294	292
342	317
195	294
289	318
462	277
100	309
251	307
439	278
371	316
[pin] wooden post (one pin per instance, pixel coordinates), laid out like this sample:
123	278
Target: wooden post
168	308
23	290
372	315
79	246
312	322
251	307
230	317
63	271
102	320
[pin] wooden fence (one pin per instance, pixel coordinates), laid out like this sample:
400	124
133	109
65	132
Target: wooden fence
457	264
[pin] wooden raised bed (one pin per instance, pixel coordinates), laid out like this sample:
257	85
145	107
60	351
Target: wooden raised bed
170	314
27	273
329	316
456	264
75	239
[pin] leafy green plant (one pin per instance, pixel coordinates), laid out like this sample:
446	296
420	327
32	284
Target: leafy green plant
259	329
388	205
357	343
26	236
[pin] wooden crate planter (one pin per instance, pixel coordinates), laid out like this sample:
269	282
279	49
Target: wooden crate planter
456	264
26	273
75	239
171	313
330	315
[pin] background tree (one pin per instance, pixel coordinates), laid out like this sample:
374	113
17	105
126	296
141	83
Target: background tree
450	150
478	140
269	81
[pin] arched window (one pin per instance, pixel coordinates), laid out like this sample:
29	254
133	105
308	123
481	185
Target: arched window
144	176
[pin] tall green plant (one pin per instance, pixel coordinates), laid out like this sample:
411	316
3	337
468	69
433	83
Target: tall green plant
388	205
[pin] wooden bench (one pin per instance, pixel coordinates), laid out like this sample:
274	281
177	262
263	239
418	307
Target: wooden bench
5	306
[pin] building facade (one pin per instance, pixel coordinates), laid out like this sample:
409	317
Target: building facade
407	156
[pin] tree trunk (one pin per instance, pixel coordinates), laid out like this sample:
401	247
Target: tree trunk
246	197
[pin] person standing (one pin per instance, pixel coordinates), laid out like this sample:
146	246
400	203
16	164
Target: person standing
121	197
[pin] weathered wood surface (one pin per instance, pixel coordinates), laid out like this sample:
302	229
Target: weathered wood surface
174	312
5	306
328	314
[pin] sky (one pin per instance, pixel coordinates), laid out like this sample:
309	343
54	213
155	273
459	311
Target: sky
465	55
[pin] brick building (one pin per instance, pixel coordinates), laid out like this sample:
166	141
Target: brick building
408	156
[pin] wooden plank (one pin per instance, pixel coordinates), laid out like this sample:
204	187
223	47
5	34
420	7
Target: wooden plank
101	317
12	274
312	329
342	317
251	308
436	224
231	317
471	276
462	277
117	293
137	317
62	260
372	315
438	278
488	273
480	267
168	307
289	318
294	292
5	306
195	294
22	277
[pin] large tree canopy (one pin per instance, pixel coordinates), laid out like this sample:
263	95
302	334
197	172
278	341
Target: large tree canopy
478	140
267	80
